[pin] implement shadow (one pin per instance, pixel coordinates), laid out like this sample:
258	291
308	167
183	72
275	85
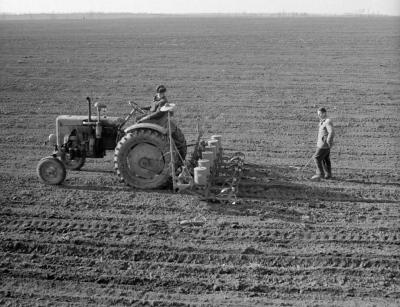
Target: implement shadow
274	190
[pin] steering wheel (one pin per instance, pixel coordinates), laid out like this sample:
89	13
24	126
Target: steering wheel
136	107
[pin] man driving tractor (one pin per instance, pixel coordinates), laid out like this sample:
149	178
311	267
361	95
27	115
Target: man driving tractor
156	115
160	117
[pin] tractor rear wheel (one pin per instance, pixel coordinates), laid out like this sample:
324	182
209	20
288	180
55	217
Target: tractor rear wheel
51	171
142	159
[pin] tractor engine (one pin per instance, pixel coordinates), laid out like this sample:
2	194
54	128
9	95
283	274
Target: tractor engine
72	146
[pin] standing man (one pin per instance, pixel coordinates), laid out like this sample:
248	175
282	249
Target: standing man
324	144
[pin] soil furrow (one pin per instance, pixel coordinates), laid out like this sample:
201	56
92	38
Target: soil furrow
198	285
296	236
215	257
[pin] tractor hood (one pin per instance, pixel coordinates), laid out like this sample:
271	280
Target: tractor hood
77	120
66	123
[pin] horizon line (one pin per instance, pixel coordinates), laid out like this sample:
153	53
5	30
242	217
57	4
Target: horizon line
350	14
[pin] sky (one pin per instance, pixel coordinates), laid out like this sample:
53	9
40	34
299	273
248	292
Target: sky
384	7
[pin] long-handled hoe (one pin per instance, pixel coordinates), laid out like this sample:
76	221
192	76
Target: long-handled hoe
299	168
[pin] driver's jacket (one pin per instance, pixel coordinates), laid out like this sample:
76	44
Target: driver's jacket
158	103
156	115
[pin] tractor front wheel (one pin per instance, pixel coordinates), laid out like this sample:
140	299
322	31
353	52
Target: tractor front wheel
51	171
142	159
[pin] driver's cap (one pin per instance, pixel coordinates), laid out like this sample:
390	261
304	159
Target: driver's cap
161	89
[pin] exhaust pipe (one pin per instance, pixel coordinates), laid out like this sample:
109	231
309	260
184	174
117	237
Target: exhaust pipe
90	109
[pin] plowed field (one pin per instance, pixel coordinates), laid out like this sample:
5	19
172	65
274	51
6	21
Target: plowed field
258	83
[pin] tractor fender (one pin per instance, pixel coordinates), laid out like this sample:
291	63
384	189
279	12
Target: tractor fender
151	126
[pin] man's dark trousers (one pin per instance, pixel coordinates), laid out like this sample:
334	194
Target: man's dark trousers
323	162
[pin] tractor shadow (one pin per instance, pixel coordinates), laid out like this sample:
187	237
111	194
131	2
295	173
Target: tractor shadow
96	188
94	179
84	170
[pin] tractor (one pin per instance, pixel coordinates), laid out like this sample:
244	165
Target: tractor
144	152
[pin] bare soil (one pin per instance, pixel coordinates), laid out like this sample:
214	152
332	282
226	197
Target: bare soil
258	83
